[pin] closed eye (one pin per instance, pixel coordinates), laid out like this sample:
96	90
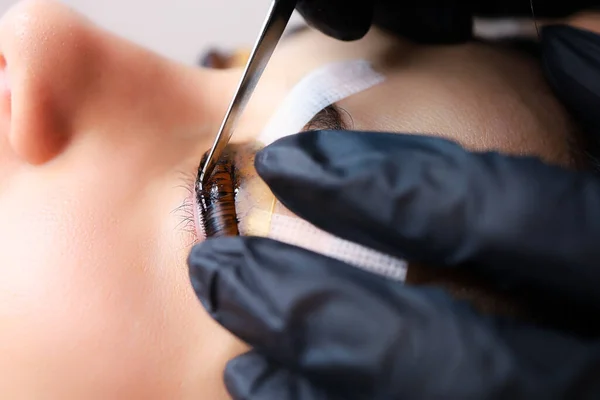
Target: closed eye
332	118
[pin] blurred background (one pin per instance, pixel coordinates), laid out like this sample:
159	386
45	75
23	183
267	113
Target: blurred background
179	29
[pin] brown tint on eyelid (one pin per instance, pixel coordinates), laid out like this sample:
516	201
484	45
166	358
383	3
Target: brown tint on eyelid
216	202
216	198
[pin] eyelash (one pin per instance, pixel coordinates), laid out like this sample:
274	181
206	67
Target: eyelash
216	201
214	205
186	211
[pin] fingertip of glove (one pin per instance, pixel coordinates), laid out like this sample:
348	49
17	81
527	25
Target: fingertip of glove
206	253
252	376
243	374
309	150
345	20
207	261
344	31
287	157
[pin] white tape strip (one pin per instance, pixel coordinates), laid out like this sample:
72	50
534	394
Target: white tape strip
321	88
300	233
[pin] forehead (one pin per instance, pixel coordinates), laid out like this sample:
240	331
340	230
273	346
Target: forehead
483	97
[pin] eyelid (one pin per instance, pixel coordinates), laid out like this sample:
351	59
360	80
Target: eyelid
251	193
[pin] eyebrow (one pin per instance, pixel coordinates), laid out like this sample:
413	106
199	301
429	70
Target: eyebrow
332	117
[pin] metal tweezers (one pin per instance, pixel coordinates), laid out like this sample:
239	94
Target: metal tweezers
277	19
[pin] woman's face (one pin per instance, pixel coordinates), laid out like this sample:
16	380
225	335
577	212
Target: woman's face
101	142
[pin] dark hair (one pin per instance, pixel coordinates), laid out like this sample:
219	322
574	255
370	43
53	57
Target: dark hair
332	118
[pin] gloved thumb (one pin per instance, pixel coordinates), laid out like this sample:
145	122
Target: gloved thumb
252	377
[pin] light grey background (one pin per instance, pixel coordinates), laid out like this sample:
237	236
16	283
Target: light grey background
182	29
179	29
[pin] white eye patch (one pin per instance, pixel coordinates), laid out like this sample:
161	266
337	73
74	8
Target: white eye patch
316	91
321	88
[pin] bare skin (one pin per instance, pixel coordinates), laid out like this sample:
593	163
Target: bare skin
98	137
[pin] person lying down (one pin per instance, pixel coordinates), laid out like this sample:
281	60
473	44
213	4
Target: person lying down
101	146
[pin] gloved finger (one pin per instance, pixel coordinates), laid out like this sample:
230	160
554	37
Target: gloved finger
517	220
323	317
426	21
572	65
341	19
343	329
255	287
252	377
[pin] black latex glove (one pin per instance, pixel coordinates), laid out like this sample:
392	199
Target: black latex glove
322	329
541	8
423	21
572	64
341	19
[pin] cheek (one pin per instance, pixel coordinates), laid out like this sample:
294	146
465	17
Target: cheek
93	301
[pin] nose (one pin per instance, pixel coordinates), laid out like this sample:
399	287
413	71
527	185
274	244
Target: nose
66	76
44	47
